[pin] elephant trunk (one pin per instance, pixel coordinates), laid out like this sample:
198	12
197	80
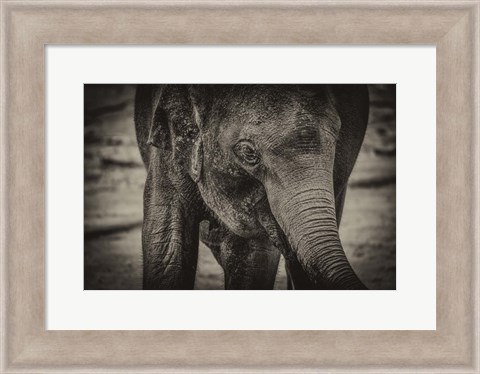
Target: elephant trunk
305	210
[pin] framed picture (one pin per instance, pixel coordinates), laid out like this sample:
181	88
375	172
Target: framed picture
250	187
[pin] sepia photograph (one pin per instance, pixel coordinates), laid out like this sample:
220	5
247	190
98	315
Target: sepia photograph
240	187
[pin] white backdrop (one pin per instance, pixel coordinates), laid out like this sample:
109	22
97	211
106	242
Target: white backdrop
410	306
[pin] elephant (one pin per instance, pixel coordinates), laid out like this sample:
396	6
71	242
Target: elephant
262	169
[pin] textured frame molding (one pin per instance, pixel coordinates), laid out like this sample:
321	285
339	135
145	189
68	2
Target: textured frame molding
26	26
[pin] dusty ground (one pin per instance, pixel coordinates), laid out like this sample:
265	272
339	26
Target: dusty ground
114	178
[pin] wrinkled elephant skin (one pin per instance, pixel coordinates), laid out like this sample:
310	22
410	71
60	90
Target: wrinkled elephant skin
266	165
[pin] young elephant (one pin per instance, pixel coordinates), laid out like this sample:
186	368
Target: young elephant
266	165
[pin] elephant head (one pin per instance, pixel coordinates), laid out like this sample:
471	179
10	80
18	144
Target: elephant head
272	160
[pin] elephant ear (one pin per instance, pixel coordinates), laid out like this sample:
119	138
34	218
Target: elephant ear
198	98
175	121
159	133
196	163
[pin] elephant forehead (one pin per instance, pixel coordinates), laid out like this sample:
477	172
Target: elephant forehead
297	129
273	121
253	122
250	104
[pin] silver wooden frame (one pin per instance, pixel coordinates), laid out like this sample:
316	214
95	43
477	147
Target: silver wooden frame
27	26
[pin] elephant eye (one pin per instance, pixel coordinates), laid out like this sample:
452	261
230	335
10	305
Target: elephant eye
246	152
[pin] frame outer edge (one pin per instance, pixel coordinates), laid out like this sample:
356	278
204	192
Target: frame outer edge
4	163
476	191
4	24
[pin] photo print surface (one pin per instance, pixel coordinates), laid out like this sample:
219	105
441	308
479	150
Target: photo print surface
240	187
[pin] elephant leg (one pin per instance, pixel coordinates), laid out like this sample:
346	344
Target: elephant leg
249	264
170	232
212	235
289	279
297	278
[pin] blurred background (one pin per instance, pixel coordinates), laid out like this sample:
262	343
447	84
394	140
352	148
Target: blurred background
114	177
